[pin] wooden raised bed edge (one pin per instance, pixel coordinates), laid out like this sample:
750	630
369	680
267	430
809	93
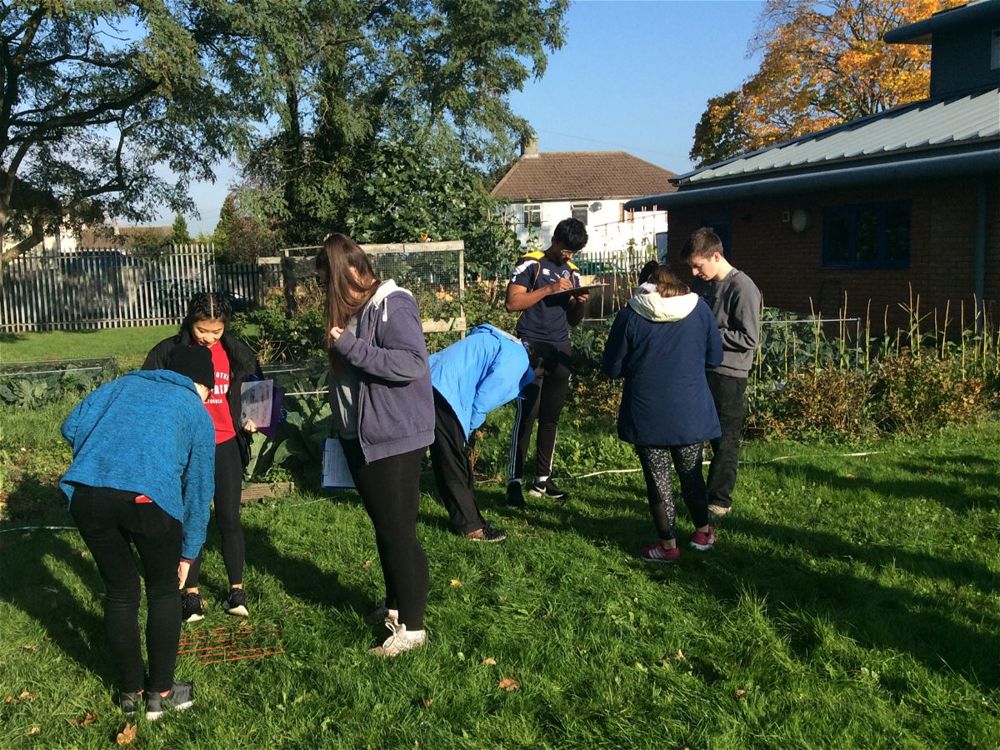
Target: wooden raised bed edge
261	490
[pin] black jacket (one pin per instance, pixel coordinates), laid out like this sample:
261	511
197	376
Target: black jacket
242	364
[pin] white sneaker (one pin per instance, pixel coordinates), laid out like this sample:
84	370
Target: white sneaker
382	614
401	640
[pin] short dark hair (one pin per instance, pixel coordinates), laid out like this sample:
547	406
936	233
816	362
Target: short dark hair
647	270
571	234
701	244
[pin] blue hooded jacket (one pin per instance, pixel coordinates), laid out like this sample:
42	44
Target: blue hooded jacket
147	432
477	374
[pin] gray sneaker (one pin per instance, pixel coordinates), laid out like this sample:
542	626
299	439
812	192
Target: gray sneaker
180	698
716	512
129	703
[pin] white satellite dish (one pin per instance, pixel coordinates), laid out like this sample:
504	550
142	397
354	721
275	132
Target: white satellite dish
595	206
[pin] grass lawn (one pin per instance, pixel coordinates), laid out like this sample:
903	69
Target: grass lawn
128	345
852	602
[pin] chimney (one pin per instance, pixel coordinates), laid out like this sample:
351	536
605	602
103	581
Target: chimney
529	148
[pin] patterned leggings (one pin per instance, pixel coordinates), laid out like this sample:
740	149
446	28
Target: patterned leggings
656	469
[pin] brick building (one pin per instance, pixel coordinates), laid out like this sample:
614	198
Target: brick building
907	199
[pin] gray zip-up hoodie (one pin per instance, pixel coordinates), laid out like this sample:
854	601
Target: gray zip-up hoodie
735	302
395	398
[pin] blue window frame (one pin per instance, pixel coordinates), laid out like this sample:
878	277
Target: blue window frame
867	235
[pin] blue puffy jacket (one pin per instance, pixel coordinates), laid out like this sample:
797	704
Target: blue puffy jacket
484	370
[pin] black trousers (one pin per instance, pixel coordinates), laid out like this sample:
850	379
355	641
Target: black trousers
390	491
228	489
542	400
453	471
111	523
729	394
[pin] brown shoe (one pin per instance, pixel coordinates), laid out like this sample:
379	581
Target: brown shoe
487	534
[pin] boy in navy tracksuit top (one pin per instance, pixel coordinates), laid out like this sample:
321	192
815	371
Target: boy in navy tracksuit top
541	289
471	377
143	475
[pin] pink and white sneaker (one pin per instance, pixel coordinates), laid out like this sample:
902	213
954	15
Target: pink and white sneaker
703	541
657	553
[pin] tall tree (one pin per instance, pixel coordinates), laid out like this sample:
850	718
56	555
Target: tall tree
348	81
824	63
97	96
179	234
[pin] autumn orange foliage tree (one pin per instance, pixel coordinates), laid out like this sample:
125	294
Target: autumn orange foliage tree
824	63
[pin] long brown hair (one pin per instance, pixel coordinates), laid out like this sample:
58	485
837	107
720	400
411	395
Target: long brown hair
667	284
346	293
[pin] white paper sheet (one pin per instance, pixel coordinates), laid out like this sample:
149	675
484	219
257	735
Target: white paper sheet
256	397
335	471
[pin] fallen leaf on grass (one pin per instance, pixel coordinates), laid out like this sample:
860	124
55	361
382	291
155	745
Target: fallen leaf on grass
740	694
88	718
426	702
126	736
366	564
489	661
30	647
33	730
455	583
509	684
24	696
82	553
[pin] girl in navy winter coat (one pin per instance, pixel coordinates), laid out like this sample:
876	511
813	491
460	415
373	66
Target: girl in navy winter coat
661	343
383	413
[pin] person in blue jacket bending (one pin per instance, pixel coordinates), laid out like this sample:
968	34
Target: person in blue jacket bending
142	476
471	377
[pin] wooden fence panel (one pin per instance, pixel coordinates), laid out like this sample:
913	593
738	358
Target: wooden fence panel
93	289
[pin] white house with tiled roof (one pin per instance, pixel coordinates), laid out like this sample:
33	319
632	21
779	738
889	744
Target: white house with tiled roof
542	189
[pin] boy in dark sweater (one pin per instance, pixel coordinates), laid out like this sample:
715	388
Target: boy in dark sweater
735	301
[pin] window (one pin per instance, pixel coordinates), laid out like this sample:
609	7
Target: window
722	226
579	211
867	235
532	215
995	50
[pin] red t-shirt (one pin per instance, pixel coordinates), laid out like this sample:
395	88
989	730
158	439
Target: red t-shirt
218	402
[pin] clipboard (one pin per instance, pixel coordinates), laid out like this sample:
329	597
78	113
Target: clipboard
585	289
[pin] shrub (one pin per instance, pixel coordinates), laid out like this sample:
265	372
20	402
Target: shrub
822	403
913	394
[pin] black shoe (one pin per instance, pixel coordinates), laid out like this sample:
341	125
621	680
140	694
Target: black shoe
236	603
192	607
548	489
515	496
180	698
129	703
487	534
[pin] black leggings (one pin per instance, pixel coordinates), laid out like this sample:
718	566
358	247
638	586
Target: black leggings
110	522
228	489
659	490
390	490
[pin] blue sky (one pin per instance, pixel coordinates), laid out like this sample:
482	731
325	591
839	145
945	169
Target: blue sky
632	76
